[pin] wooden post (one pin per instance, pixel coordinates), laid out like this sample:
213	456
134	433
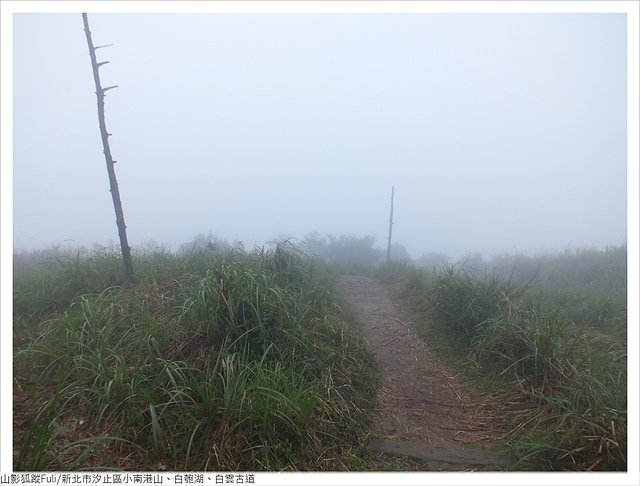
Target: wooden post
390	228
113	182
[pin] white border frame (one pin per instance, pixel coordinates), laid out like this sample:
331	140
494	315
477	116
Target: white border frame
631	8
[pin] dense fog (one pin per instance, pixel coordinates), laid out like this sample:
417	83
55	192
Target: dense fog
500	132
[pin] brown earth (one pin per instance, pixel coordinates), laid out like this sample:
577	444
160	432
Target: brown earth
420	398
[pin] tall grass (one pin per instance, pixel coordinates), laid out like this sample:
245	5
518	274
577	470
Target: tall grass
210	360
564	348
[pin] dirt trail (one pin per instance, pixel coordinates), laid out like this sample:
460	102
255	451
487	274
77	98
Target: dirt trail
420	398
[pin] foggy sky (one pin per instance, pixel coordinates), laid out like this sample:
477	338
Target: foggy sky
500	132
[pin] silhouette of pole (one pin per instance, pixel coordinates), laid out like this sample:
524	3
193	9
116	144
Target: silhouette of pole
113	182
390	228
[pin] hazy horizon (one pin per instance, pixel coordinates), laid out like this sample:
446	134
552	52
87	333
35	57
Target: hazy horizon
500	132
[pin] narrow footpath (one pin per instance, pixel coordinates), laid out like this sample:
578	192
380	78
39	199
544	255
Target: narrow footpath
425	409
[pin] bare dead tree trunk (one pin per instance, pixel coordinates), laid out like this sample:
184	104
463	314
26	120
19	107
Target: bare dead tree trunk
390	228
113	182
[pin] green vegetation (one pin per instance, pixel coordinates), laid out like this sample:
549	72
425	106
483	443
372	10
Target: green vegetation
555	331
213	359
219	359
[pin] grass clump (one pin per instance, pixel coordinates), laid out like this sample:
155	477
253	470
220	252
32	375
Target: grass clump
562	349
465	302
240	361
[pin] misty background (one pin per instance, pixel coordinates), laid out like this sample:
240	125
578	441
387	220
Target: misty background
500	132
